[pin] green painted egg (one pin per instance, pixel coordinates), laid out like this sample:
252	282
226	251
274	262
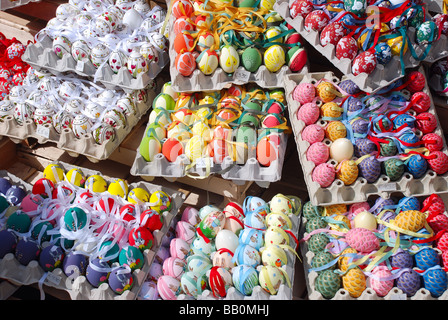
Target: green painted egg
163	101
394	169
388	149
426	33
310	211
251	59
315	223
358	7
149	147
322	258
317	242
328	283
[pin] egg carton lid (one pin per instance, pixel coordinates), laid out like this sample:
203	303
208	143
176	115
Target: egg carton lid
382	75
219	79
9	4
258	293
159	166
40	56
67	141
79	288
342	294
360	190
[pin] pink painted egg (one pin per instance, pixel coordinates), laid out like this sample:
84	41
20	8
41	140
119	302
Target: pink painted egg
313	133
324	174
379	282
308	113
318	153
304	93
362	240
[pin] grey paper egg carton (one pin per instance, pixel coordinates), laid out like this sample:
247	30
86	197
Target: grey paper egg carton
382	75
219	79
40	56
79	288
66	140
258	293
16	180
434	5
252	170
9	4
342	294
360	190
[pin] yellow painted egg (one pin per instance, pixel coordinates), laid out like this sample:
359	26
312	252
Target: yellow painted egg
160	201
54	172
281	203
272	34
271	278
274	255
76	177
96	183
179	131
335	130
204	113
118	187
202	129
347	171
138	196
274	58
366	220
195	148
331	109
183	115
208	61
411	220
229	60
396	44
341	227
326	91
159	116
354	281
186	100
346	258
335	209
267	4
278	219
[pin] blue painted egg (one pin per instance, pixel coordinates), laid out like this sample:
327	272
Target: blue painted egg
383	53
416	165
426	258
435	281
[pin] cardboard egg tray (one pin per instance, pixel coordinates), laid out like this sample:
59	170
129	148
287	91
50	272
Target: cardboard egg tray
219	79
382	75
258	293
342	294
79	288
9	4
360	190
252	170
66	140
40	56
434	5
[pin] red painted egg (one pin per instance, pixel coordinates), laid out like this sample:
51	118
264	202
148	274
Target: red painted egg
183	42
332	33
426	122
182	24
365	62
182	8
346	48
420	102
185	63
416	80
300	8
316	21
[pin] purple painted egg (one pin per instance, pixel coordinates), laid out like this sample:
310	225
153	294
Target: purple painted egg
8	242
402	259
15	195
370	169
349	86
74	264
97	272
121	279
51	257
409	282
4	185
364	146
27	250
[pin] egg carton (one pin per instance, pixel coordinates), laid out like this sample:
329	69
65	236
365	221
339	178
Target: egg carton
252	170
219	79
258	293
360	190
382	75
342	294
9	4
79	288
40	56
66	140
16	180
435	5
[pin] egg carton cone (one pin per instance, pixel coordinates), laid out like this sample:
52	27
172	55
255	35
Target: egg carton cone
342	294
9	4
40	56
258	293
78	287
219	79
95	152
435	5
360	190
382	75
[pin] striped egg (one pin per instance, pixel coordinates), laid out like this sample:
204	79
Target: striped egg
328	283
354	281
308	113
318	153
347	172
394	169
313	133
378	283
362	240
324	174
435	281
345	259
335	130
411	220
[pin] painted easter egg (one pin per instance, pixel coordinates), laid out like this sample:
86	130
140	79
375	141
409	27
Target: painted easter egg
274	58
365	62
328	283
229	59
300	8
185	63
324	174
354	281
208	61
316	21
